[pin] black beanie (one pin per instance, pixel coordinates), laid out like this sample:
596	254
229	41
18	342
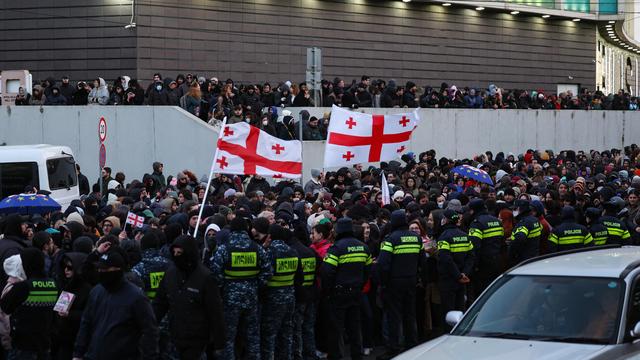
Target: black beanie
344	226
238	224
278	232
149	241
32	262
261	225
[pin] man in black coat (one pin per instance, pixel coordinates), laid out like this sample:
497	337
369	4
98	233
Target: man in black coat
83	182
189	294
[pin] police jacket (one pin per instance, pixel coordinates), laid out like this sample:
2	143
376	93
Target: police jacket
487	234
346	265
617	232
285	263
525	239
151	269
401	257
568	236
455	255
599	233
310	262
30	304
240	260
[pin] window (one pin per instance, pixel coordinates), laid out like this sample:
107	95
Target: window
633	316
62	173
14	177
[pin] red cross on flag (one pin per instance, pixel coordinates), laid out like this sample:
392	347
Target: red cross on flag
135	220
356	138
247	150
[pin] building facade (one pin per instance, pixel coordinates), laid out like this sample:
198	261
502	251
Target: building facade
508	43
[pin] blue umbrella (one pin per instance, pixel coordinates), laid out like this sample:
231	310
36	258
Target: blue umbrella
27	204
473	173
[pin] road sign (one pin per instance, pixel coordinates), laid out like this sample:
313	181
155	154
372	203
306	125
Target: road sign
103	155
102	129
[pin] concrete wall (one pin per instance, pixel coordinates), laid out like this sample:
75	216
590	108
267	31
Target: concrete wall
140	135
136	136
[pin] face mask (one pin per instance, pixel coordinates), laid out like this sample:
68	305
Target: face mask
158	87
440	205
110	279
516	213
265	123
182	262
247	120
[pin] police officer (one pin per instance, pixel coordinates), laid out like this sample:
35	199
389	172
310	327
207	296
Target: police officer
455	263
487	235
401	257
617	232
279	300
569	235
344	271
152	266
304	344
30	304
242	267
525	238
596	228
151	270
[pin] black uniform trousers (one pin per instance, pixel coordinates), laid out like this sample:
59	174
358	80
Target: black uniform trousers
345	313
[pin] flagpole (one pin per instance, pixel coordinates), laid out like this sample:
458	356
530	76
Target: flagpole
206	191
301	151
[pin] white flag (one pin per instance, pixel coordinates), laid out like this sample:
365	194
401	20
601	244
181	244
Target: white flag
356	138
246	150
386	197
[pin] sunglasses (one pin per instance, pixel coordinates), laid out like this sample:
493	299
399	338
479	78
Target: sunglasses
68	267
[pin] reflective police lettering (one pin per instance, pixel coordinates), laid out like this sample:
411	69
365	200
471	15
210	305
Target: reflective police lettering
460	239
573	232
355	248
607	223
244	259
155	278
308	264
536	224
406	239
493	224
286	265
44	283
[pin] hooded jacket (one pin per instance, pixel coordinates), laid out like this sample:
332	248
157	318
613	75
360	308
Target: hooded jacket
99	95
191	297
55	98
30	304
67	327
13	242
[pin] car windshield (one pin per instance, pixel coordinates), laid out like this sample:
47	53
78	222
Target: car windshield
547	308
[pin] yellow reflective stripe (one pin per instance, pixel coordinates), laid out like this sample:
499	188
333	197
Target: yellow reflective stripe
309	277
588	239
476	233
386	246
241	273
443	245
407	249
535	233
353	259
616	232
553	238
331	259
464	248
369	260
568	240
521	229
626	235
493	232
600	240
151	294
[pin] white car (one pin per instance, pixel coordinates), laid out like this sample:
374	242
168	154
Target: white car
582	304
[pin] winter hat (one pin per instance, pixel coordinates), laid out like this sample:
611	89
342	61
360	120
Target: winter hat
455	205
451	215
499	174
398	195
113	220
224	210
111	259
229	192
112	185
261	225
568	213
13	267
635	180
278	232
476	205
344	226
75	217
83	244
624	175
538	206
315	173
398	218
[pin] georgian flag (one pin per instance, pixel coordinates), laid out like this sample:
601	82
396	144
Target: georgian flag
355	138
246	150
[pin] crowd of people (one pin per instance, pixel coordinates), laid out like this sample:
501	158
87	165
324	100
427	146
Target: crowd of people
211	99
294	271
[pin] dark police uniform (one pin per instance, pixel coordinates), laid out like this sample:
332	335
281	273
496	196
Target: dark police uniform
487	235
304	344
344	271
617	232
525	239
568	236
399	262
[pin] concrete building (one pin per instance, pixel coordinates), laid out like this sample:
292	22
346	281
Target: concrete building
528	44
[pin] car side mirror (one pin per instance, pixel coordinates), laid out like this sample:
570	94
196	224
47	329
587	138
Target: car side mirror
454	317
635	333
